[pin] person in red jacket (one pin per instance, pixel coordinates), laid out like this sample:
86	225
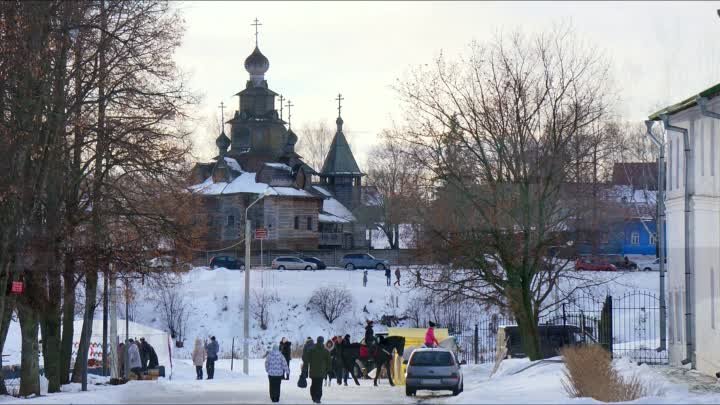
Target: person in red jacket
430	340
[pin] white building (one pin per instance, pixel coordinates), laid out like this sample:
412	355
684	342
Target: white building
698	341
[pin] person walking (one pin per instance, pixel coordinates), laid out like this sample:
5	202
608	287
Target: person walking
212	350
134	361
276	367
308	345
198	358
318	360
365	278
430	340
286	350
397	277
388	276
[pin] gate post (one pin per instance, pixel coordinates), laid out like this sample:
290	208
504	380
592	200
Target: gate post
605	326
563	314
476	345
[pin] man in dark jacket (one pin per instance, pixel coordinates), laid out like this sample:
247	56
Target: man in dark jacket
319	363
144	348
212	350
308	345
369	334
388	275
286	351
152	357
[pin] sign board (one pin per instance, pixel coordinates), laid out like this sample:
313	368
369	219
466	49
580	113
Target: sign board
261	233
17	287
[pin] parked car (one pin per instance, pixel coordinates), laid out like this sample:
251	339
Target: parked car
651	266
292	263
590	263
363	261
227	262
320	264
434	369
621	262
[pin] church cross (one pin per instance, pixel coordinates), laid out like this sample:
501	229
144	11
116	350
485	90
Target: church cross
256	24
222	116
289	105
339	100
281	106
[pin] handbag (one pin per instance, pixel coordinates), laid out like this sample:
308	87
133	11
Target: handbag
302	382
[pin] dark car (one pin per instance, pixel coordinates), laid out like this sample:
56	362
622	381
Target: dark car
363	261
622	263
588	263
227	262
320	264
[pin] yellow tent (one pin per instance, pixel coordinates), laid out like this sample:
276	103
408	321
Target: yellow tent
414	338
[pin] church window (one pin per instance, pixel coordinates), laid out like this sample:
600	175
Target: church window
635	238
297	222
309	224
231	220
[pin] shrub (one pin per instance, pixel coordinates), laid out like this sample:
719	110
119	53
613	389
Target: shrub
331	302
589	373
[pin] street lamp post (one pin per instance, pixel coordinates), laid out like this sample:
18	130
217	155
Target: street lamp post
246	310
660	229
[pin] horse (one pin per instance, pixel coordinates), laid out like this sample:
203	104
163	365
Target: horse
381	357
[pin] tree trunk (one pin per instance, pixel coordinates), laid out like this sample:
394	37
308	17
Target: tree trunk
8	307
29	361
90	301
522	308
50	328
68	318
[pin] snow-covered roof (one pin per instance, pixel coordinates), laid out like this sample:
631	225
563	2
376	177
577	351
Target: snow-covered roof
282	166
291	192
245	183
327	218
323	191
233	164
631	195
334	208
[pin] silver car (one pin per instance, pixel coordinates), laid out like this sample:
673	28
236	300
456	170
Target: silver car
292	263
434	369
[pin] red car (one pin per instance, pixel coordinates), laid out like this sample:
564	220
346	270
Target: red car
594	264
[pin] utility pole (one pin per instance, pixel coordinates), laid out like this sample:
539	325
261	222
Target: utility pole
113	328
660	230
127	329
246	309
105	323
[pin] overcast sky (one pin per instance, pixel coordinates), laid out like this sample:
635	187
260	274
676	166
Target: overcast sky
661	52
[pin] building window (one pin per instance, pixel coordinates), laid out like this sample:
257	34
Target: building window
231	220
712	298
297	222
635	238
669	168
653	238
309	223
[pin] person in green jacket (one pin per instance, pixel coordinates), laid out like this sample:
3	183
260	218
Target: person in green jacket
319	362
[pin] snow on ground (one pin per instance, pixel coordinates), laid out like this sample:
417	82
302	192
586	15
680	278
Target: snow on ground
516	381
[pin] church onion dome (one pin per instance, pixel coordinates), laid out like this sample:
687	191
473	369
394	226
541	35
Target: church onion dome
257	64
222	142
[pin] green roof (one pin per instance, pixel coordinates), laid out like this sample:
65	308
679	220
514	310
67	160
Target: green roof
340	159
687	103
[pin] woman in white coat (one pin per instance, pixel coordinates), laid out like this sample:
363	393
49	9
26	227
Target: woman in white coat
198	358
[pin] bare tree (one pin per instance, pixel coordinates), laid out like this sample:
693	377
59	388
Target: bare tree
397	177
175	309
331	302
496	130
262	300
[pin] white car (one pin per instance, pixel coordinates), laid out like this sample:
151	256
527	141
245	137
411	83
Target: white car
651	266
292	263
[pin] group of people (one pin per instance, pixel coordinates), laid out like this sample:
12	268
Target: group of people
141	357
388	277
321	361
207	353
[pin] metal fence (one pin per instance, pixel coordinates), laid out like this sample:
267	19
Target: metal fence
628	326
